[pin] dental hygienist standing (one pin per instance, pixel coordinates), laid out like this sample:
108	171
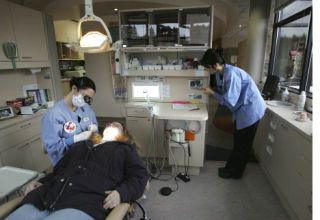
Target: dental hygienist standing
70	120
238	91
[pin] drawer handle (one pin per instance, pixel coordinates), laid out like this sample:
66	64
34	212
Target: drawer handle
284	127
26	125
271	138
269	150
35	140
273	125
21	148
132	120
26	57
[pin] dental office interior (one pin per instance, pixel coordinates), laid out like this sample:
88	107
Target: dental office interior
150	79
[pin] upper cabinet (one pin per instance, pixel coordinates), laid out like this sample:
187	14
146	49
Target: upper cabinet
6	27
180	27
24	27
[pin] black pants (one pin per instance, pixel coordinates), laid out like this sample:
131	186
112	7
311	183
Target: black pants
242	147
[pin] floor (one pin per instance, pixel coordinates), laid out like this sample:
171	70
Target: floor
209	197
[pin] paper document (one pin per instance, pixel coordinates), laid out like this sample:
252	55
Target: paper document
184	106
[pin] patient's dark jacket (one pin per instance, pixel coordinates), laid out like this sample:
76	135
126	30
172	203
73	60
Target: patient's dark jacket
79	180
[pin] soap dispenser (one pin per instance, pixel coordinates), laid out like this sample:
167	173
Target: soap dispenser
285	95
301	101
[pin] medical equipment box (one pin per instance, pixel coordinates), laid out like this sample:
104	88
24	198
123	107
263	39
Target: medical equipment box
6	112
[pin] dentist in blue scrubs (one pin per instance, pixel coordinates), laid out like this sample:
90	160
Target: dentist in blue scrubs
237	91
70	120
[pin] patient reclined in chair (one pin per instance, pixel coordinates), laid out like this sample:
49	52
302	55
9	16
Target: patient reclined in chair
90	179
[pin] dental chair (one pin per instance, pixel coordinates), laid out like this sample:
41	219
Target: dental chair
120	212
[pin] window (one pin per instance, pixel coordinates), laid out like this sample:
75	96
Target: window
291	50
141	90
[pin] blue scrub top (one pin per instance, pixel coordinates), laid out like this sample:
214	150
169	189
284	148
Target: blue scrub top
239	93
60	124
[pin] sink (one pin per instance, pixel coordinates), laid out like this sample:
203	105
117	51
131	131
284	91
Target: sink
279	103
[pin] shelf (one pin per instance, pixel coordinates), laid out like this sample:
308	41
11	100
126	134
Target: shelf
163	49
72	59
179	73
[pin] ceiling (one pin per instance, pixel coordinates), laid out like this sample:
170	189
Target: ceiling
228	14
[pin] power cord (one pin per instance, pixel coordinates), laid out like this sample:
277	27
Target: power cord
144	216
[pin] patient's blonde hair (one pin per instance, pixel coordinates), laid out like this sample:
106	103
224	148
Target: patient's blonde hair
125	136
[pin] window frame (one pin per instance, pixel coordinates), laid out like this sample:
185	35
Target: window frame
307	62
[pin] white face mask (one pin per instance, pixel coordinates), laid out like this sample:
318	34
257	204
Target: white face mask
110	134
78	100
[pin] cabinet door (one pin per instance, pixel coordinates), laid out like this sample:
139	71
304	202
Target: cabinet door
18	156
41	160
140	129
30	33
195	27
134	29
262	144
6	27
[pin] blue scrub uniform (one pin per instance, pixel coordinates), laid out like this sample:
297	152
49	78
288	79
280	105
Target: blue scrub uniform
240	94
60	124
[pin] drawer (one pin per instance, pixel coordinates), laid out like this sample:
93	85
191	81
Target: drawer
138	112
299	201
20	133
20	126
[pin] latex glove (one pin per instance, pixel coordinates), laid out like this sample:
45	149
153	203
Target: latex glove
32	186
112	200
82	136
207	90
93	128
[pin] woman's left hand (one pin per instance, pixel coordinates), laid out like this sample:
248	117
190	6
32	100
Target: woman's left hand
112	200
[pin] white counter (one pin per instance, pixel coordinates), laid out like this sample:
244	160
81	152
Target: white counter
166	111
287	114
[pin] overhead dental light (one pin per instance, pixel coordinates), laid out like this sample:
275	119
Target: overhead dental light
93	41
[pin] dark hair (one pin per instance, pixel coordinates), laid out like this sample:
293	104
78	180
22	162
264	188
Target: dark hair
82	83
212	57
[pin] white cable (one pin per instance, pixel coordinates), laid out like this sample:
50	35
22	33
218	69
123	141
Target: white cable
173	158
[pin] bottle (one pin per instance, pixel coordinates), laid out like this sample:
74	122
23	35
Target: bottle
301	101
195	63
285	95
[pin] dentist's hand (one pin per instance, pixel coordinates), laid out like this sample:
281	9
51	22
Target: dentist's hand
82	136
93	128
207	90
32	186
112	200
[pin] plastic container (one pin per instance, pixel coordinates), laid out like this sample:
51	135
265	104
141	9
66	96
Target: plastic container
301	101
285	95
195	63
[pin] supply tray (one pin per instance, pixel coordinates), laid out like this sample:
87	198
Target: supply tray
13	178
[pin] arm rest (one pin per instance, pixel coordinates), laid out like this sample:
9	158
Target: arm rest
8	207
118	212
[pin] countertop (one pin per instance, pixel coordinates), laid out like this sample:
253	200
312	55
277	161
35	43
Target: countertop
287	114
166	111
19	119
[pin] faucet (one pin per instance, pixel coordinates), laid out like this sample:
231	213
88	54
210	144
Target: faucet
147	97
